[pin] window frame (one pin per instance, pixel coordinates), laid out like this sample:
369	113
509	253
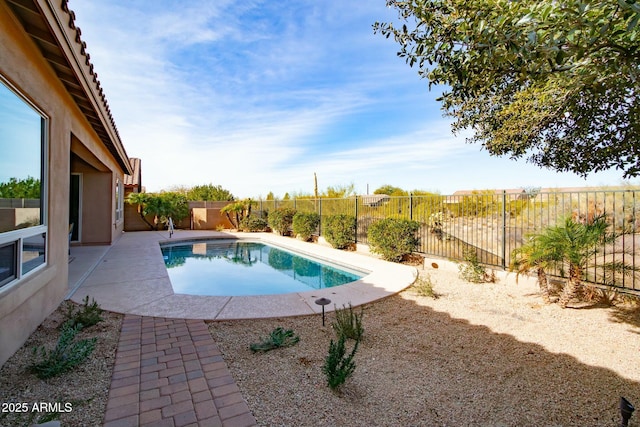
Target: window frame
20	235
119	196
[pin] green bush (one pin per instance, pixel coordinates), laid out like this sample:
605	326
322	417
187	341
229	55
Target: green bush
279	337
393	238
338	367
339	230
280	220
423	286
67	354
253	224
85	316
472	271
348	324
305	224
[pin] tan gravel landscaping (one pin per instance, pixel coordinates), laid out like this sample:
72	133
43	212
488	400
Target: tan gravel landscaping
479	355
80	394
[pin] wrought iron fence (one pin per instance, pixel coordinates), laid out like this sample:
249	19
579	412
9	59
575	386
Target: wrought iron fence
493	224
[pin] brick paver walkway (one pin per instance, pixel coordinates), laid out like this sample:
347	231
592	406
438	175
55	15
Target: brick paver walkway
170	372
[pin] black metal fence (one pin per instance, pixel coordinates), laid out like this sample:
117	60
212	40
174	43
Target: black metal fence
492	224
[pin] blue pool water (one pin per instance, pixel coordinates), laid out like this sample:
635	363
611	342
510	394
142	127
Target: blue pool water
247	268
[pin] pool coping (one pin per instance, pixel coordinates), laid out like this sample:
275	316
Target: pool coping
131	278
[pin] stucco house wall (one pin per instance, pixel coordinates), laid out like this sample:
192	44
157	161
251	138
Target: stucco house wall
73	145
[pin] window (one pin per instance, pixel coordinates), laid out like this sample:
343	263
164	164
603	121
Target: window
119	199
23	225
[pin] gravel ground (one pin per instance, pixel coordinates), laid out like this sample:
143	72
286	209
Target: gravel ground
478	355
85	389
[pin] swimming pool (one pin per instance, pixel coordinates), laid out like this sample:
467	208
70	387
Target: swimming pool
240	268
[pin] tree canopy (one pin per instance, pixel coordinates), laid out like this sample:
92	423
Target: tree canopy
209	192
390	190
161	205
16	188
555	82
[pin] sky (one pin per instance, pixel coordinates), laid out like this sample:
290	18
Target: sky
257	96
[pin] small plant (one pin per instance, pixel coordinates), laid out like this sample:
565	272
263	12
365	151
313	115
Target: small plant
340	230
423	286
393	238
279	337
436	223
305	224
67	354
253	224
281	219
348	324
472	271
86	315
338	367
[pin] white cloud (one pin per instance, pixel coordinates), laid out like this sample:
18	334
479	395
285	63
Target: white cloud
256	96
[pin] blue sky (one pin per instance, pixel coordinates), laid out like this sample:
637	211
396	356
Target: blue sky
256	96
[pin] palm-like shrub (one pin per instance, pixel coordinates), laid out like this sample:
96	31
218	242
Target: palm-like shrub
575	247
533	256
236	212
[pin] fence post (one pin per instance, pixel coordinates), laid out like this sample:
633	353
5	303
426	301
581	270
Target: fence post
319	201
356	233
411	206
504	229
295	203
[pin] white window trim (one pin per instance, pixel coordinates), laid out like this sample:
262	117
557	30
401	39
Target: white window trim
23	233
119	190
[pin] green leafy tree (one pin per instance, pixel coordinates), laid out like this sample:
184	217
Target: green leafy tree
161	205
552	81
339	191
16	188
209	192
390	190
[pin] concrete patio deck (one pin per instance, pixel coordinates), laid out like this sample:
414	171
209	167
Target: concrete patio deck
130	277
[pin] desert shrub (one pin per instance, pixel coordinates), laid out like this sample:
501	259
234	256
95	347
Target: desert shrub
339	230
348	324
305	224
472	271
67	354
423	286
86	315
393	238
280	220
253	224
337	366
279	337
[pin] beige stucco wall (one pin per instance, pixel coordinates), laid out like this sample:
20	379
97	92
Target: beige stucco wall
209	219
25	304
